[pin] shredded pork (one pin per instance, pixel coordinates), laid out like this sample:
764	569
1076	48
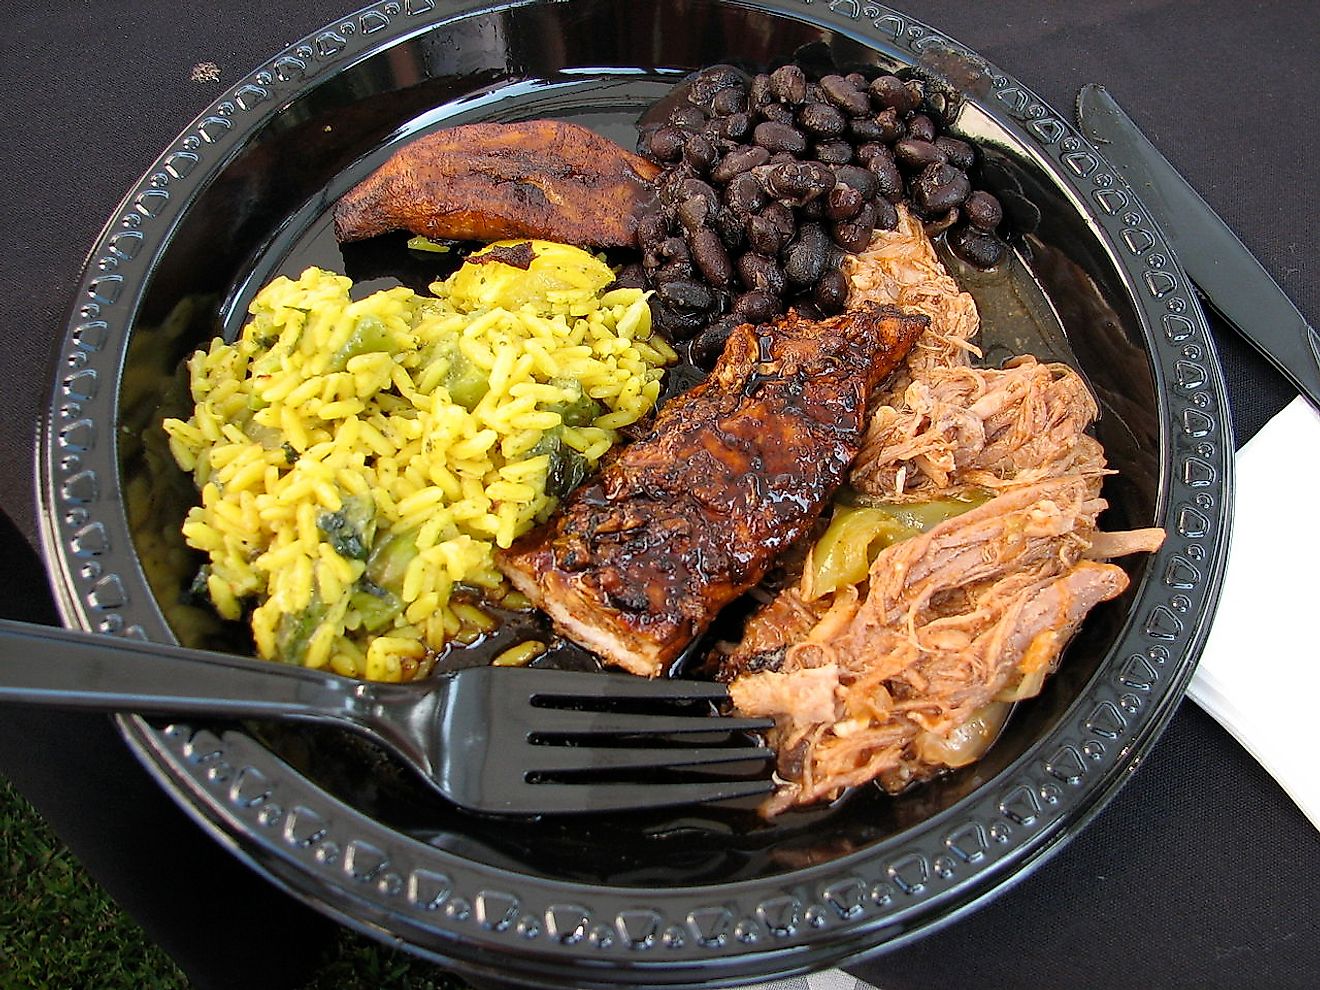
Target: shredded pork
886	679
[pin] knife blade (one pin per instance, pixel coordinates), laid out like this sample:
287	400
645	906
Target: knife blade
1226	274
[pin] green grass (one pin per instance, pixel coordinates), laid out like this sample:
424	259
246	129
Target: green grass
58	928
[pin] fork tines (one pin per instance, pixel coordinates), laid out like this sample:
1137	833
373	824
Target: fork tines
619	742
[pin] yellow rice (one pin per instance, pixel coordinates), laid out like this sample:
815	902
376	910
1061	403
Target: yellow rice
360	460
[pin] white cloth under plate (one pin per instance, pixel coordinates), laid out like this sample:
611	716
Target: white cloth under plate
1259	676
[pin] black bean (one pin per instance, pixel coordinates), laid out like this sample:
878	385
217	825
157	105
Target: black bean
920	127
866	215
812	209
678	270
666	144
939	188
934	226
764	235
845	95
688	118
712	130
631	276
760	272
807	308
712	258
699	152
674	323
869	149
855	177
696	211
651	229
957	153
713	80
789	84
782	217
804	259
709	344
727	101
745	193
915	155
739	161
983	211
889	181
671	182
822	119
976	246
776	112
688	295
837	152
886	214
755	306
690	185
891	128
644	133
759	92
775	136
831	291
673	248
851	236
802	181
891	92
735	127
843	202
731	225
864	129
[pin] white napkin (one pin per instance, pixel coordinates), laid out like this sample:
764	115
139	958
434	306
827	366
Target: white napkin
1259	676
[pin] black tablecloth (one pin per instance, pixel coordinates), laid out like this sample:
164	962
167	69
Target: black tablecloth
1200	873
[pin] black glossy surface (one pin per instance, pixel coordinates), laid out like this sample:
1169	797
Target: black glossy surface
263	212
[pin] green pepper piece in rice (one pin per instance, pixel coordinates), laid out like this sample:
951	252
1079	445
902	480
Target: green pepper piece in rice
295	632
350	528
370	336
376	605
389	560
567	469
582	410
466	382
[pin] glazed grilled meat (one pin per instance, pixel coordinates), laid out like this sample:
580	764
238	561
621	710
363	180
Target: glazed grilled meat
537	178
640	560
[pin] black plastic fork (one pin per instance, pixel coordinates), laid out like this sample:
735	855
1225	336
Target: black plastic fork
501	740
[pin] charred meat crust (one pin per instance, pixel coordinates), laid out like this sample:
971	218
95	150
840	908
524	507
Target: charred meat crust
640	560
537	178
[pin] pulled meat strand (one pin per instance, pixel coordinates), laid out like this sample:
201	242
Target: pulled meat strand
956	429
900	268
948	620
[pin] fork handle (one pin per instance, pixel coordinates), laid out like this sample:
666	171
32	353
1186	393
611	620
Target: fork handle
61	668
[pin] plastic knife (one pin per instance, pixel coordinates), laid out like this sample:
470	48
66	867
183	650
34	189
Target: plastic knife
1227	275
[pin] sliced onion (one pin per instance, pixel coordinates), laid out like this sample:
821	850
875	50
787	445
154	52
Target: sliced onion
968	742
1028	687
